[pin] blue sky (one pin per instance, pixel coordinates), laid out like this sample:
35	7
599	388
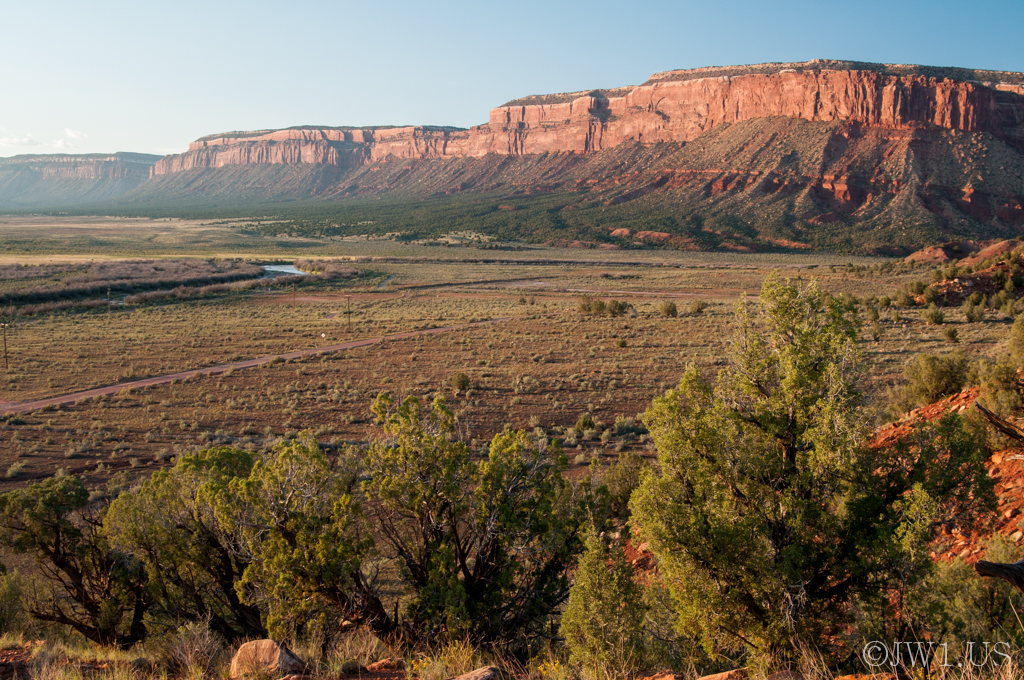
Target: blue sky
110	76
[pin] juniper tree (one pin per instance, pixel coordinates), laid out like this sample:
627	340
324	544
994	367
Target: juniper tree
769	516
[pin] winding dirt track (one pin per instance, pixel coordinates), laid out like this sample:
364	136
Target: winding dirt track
221	368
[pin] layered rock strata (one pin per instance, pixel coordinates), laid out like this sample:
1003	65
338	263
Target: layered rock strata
675	106
58	179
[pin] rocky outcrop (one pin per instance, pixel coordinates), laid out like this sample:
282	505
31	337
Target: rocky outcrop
670	107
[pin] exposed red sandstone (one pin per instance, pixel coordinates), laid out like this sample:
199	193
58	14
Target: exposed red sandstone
665	109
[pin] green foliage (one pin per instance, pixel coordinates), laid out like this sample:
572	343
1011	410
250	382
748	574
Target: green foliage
972	311
598	307
621	479
930	378
96	590
999	389
935	478
951	335
954	606
584	422
668	309
460	382
192	560
483	549
299	530
603	623
1016	344
933	315
767	512
13	596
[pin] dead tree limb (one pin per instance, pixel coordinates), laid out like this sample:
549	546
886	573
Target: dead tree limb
1004	426
1012	573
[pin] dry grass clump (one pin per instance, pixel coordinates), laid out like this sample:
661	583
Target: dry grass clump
126	276
327	269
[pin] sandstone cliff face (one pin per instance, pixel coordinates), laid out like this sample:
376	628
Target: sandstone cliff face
82	166
666	109
42	180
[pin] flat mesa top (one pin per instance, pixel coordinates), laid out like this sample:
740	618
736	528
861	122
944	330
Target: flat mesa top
950	72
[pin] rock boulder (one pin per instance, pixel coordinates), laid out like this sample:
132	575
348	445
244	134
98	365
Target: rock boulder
265	657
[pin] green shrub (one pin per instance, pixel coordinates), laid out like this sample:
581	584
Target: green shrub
930	378
696	307
616	308
904	300
621	479
13	596
668	309
603	623
191	556
933	315
752	493
1016	344
997	380
460	382
951	335
972	311
584	422
99	590
461	528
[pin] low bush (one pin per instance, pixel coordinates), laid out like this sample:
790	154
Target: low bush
603	623
460	382
933	315
930	378
696	307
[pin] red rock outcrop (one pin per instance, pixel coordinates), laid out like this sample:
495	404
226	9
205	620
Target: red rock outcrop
675	106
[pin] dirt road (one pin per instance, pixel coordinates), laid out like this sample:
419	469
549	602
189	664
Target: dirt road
26	406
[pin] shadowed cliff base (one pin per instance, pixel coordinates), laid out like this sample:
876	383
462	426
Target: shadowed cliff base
771	183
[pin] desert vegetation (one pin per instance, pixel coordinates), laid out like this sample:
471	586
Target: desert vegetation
569	493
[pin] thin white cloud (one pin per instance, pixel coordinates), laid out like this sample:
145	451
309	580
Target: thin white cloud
62	144
74	134
18	141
